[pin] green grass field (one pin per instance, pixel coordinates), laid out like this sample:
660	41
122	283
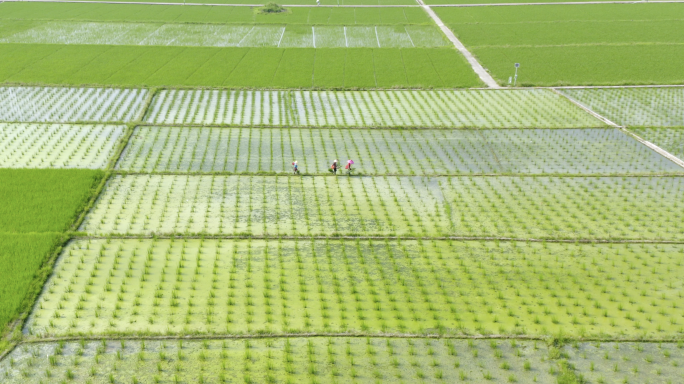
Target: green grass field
575	45
233	67
21	258
41	200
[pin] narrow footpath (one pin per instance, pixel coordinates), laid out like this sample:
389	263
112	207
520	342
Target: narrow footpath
477	67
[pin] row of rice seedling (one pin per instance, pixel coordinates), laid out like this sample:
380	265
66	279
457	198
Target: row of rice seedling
281	360
669	139
65	105
385	151
522	207
465	108
582	151
611	362
654	107
268	205
58	145
230	35
246	150
207	286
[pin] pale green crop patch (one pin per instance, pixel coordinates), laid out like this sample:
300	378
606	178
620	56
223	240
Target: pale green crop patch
424	109
388	151
627	362
195	286
650	107
230	35
669	139
519	207
58	145
67	105
280	360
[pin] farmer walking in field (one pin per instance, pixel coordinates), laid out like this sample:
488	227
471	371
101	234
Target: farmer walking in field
348	167
295	168
334	167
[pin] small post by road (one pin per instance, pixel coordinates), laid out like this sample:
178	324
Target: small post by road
515	79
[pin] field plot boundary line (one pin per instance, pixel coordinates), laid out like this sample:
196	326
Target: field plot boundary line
238	88
123	172
409	36
77	236
586	109
211	4
615	86
655	148
41	340
477	67
13	345
348	6
556	3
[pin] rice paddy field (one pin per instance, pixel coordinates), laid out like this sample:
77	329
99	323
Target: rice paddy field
390	151
634	107
131	45
153	228
592	44
417	109
669	139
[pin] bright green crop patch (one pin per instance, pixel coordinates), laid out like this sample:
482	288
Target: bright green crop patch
586	65
587	45
562	13
187	286
281	360
231	67
40	200
519	207
21	256
23	12
10	27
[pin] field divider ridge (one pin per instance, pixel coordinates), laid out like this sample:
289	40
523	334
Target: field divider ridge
84	236
545	3
114	160
477	67
120	172
654	147
586	109
212	4
39	340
